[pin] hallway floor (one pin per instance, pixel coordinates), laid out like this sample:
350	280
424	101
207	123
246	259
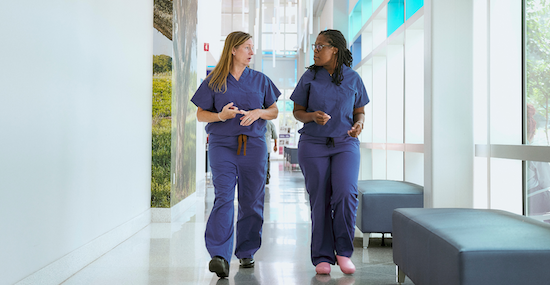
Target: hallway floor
174	253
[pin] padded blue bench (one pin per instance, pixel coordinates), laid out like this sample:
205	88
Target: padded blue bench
378	199
290	155
470	246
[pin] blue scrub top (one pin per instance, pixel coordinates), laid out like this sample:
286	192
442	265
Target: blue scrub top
321	94
254	90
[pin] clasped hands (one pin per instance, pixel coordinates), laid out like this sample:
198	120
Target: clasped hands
229	111
321	118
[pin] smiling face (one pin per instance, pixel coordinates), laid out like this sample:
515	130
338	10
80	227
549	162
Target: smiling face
326	55
242	55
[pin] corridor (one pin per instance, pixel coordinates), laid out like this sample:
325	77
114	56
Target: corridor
175	253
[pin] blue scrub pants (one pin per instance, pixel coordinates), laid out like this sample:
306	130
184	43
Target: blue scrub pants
331	170
249	172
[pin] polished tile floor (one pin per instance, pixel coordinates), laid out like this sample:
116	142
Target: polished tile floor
175	253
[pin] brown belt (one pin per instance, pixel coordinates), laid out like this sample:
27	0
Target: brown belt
242	140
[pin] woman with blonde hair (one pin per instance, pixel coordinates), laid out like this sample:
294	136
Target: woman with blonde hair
236	101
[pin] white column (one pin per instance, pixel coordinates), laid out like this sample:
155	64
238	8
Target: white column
449	147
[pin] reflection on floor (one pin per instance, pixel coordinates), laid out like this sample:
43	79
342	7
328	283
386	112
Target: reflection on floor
175	253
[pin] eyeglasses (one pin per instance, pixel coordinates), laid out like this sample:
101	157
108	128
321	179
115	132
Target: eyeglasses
318	47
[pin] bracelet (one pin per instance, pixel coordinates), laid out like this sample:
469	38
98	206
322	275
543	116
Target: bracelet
221	118
360	123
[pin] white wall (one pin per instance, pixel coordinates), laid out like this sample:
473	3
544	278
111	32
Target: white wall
75	118
340	17
334	16
210	28
327	17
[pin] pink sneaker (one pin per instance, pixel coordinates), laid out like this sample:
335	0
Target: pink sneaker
323	268
345	264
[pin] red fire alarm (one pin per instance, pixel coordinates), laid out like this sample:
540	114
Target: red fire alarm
206	46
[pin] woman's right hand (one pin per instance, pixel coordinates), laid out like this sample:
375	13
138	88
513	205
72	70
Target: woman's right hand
302	115
320	117
229	111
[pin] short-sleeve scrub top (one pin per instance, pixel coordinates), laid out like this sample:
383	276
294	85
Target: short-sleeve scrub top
317	92
253	90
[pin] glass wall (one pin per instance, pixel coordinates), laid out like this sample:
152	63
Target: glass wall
497	109
279	61
391	68
512	96
234	17
275	23
536	109
283	73
279	27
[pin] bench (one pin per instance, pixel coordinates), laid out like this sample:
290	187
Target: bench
470	246
378	199
290	155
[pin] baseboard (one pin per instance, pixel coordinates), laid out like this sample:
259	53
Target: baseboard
167	215
161	215
63	268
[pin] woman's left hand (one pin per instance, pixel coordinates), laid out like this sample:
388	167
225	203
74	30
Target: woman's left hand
249	117
356	129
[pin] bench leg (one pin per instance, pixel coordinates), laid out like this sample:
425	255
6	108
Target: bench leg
366	237
400	275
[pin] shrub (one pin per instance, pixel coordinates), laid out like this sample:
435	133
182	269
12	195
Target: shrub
160	164
162	63
161	141
162	95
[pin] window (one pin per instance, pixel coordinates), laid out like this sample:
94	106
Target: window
234	17
279	29
537	105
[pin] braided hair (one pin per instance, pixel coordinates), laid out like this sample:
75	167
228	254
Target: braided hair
343	57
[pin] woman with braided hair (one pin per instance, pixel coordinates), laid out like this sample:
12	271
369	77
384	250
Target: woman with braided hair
330	99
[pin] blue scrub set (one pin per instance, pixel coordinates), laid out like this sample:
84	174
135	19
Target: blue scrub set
329	159
237	159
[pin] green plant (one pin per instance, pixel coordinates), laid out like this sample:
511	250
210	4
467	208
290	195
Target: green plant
162	95
161	141
160	164
538	59
162	63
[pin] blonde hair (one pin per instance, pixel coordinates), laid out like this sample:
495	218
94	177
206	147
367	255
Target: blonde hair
219	75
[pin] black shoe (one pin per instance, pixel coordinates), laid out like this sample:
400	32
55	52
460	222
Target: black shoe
220	266
247	262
